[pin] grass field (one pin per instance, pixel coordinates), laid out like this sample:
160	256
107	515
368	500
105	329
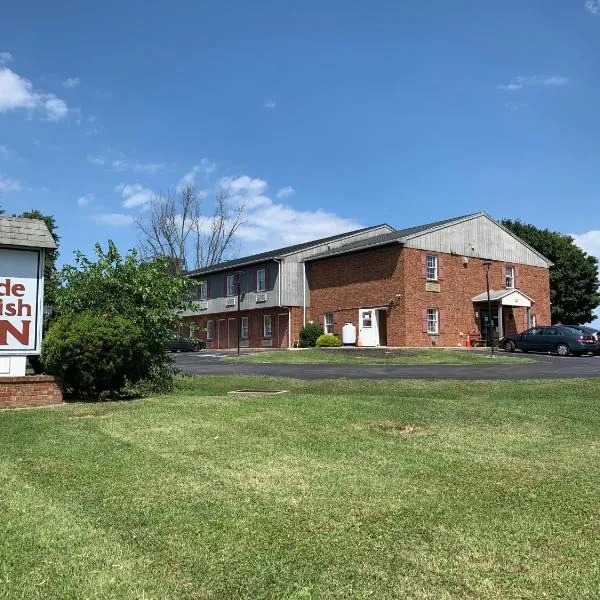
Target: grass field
367	357
347	489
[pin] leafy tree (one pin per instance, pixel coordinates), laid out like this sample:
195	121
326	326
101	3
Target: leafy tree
141	291
50	271
573	278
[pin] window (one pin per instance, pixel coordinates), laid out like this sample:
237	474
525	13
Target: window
328	323
433	320
231	285
203	290
244	328
532	320
261	280
510	277
367	319
267	326
432	267
210	330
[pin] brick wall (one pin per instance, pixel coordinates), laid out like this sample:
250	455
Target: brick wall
225	328
392	278
31	390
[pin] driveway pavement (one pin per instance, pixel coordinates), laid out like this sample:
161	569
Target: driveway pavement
545	367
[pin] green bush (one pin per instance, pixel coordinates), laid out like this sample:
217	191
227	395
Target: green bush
97	355
328	340
309	335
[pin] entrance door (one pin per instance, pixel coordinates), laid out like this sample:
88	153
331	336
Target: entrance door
222	333
486	326
232	334
368	331
282	331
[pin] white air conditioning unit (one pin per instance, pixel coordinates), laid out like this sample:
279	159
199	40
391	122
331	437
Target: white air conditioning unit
261	297
203	305
230	302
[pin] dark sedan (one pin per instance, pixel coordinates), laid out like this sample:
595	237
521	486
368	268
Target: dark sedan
183	344
589	331
560	339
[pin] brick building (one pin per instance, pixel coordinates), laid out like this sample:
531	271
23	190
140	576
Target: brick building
419	286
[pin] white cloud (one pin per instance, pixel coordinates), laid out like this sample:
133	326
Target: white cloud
134	195
514	106
10	185
17	92
270	104
286	192
114	219
270	224
531	80
138	167
85	199
593	7
71	82
206	167
589	242
97	160
5	57
4	152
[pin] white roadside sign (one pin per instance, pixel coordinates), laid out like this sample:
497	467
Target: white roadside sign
21	301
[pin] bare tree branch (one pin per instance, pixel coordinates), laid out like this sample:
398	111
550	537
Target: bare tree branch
175	226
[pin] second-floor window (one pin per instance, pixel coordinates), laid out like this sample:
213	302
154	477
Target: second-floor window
510	277
328	323
432	267
261	280
231	285
203	290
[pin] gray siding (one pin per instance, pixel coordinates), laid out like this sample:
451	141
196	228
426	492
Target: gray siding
480	237
217	299
292	288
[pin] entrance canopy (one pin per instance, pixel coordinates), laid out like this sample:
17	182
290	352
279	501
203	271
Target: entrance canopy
506	298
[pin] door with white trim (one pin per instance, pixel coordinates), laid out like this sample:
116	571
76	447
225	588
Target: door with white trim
368	330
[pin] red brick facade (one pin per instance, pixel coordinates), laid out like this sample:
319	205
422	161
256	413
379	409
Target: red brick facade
32	390
392	279
224	334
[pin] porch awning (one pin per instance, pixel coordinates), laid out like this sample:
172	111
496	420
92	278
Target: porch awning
506	298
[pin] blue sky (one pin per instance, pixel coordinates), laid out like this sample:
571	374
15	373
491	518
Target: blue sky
332	114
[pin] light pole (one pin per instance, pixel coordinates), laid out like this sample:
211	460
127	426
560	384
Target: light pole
238	277
487	264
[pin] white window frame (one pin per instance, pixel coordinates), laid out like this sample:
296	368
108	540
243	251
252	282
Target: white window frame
210	330
328	322
267	331
510	278
432	267
203	290
244	328
230	286
433	321
261	283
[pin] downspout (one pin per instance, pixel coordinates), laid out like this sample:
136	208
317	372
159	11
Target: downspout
303	294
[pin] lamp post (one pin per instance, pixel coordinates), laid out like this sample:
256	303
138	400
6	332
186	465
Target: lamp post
487	264
238	277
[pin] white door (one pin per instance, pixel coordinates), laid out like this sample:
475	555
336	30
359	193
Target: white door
368	331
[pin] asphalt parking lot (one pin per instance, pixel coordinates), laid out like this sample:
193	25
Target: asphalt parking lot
544	367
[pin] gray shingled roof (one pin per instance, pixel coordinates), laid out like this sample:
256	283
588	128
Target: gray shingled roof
387	238
271	254
30	233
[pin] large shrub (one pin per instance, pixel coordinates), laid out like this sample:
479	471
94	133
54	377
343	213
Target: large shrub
95	355
328	340
309	335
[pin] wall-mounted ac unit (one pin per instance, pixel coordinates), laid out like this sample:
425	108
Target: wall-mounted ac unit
230	302
203	305
261	297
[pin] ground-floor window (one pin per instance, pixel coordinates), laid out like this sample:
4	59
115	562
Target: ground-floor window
328	323
210	330
532	320
267	326
433	320
244	328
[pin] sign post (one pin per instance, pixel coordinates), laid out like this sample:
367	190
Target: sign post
23	244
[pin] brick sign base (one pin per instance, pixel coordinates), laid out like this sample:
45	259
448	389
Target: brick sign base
31	390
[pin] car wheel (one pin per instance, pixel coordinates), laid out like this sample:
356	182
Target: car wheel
563	350
510	346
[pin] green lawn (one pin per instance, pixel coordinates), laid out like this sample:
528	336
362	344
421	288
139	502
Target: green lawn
343	489
379	357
